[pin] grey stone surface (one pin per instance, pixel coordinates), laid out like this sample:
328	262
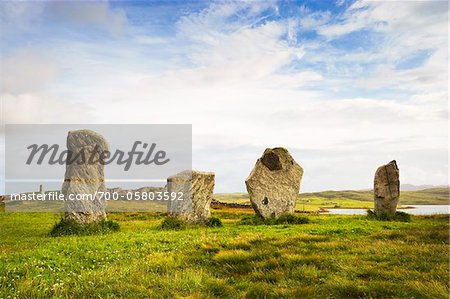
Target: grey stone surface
274	183
387	189
198	189
84	177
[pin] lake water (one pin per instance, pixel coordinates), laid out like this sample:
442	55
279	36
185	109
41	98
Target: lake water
416	210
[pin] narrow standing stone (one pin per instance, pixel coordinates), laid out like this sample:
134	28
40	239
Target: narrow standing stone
85	177
197	190
274	183
386	189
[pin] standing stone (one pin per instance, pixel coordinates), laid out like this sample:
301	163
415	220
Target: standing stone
84	177
197	188
274	183
386	189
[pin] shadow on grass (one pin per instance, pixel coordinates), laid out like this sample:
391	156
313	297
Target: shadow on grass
283	219
214	222
174	223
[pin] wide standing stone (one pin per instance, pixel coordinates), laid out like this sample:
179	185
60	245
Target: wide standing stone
274	183
197	188
386	189
84	177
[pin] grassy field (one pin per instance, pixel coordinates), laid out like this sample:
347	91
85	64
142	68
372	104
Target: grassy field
351	198
331	257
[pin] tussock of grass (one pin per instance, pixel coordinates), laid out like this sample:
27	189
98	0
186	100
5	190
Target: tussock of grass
67	227
291	219
173	223
219	288
260	290
214	222
133	216
252	220
283	219
399	216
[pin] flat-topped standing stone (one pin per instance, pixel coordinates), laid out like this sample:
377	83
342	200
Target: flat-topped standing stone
274	183
84	176
197	188
386	189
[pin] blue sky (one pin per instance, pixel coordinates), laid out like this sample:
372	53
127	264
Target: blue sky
346	86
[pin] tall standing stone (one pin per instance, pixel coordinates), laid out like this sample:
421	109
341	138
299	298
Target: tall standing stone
84	177
197	188
386	189
274	183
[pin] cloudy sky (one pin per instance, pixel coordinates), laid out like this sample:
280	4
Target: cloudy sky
345	86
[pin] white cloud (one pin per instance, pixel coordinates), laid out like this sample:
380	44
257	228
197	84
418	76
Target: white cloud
37	108
234	75
220	19
406	26
314	20
21	16
27	71
97	13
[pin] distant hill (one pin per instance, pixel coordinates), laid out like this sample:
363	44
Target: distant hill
355	198
410	187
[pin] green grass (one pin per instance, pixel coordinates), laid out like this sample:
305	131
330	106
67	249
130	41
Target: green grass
398	216
66	227
253	219
332	256
172	223
214	222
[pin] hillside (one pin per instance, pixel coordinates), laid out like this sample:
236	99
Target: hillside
305	201
352	198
